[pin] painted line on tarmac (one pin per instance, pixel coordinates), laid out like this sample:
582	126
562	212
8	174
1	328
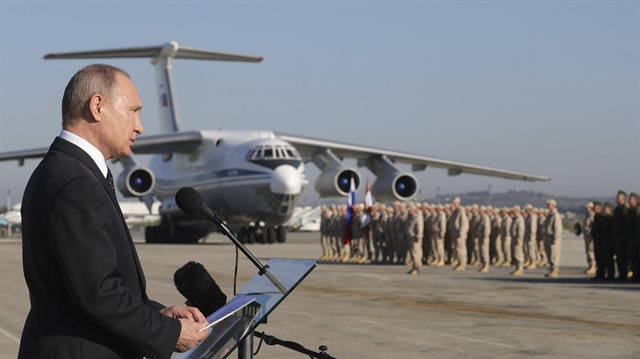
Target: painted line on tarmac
479	341
9	335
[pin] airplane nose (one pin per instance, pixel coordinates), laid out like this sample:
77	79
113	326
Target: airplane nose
286	180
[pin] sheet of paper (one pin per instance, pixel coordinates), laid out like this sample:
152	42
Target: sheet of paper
233	306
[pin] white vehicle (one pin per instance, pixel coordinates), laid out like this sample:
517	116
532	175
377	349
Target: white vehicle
305	219
137	214
13	216
246	176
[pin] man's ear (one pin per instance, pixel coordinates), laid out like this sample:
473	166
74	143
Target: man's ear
96	107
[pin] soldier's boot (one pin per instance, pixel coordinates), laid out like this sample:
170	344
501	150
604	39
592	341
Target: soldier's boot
484	269
440	263
345	253
552	274
413	271
518	271
591	270
531	265
506	264
455	263
497	264
460	267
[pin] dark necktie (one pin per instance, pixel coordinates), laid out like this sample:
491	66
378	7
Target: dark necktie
110	180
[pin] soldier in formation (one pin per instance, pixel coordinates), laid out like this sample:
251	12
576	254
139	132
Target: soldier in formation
414	231
530	237
587	229
553	238
517	241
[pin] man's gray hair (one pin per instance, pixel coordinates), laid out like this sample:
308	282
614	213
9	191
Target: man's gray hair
87	82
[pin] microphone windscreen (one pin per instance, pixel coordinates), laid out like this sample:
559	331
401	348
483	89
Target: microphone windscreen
196	284
189	200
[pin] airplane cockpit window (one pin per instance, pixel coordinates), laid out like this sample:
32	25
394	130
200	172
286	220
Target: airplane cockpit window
274	155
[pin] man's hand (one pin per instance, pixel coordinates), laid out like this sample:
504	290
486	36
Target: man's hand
190	334
190	313
191	320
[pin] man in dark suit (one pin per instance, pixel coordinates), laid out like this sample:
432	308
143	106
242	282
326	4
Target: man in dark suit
86	285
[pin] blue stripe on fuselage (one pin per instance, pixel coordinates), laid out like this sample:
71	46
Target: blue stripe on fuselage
224	175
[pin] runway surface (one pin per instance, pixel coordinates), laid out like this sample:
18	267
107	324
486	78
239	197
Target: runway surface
378	311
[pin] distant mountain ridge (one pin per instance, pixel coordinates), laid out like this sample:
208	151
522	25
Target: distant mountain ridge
521	197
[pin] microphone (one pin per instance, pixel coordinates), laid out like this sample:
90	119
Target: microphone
190	201
196	284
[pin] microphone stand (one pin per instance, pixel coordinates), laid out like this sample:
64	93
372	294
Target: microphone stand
262	269
271	340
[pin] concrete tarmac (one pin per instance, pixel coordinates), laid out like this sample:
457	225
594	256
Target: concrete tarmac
378	311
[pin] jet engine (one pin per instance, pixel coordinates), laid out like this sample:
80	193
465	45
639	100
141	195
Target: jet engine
136	182
391	184
335	181
395	186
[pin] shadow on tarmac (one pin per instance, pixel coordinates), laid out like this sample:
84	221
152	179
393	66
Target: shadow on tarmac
599	284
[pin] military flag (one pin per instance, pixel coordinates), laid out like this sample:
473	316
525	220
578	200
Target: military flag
350	212
368	202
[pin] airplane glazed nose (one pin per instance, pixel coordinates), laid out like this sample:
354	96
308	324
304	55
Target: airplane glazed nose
286	180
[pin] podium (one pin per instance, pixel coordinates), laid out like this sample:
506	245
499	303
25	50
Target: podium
236	331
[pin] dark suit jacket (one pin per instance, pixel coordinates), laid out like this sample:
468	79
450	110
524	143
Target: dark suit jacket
86	285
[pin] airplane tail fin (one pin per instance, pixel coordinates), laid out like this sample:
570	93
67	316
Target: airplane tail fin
160	57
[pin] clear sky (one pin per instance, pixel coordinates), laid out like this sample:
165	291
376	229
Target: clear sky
546	87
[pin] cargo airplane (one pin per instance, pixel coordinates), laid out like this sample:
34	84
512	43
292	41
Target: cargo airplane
247	176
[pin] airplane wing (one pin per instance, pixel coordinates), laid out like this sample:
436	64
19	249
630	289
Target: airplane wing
178	142
185	142
24	154
308	147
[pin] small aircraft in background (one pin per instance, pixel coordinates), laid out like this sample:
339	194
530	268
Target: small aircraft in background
13	216
246	176
135	214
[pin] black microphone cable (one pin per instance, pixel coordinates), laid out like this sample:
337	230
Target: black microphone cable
235	273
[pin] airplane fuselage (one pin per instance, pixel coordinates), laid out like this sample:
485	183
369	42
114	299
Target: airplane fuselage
243	175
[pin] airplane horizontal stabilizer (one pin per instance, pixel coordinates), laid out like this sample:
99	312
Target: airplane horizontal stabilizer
170	49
